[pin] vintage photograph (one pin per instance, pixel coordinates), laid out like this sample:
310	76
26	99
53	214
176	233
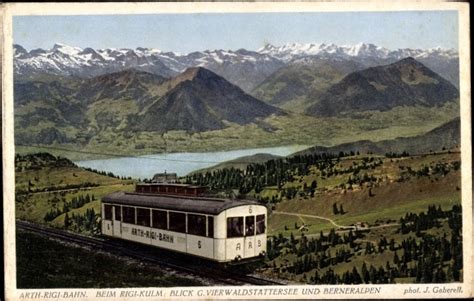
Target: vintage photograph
239	151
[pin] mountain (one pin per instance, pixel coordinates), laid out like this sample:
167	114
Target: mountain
64	109
141	87
45	110
244	68
295	85
442	61
404	83
291	51
74	61
73	107
446	136
201	100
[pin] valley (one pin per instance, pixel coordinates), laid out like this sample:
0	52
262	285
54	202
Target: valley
286	130
310	98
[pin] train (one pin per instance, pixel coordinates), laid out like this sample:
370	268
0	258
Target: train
182	218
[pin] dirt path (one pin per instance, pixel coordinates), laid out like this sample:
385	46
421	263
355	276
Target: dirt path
333	222
313	216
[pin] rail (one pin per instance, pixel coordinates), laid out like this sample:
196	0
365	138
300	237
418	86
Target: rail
218	275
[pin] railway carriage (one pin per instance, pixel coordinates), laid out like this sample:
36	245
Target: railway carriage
177	217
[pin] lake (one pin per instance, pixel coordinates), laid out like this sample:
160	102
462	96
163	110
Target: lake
180	163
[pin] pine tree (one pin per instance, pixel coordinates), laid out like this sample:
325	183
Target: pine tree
314	185
341	210
456	273
334	209
373	274
356	279
396	260
365	273
449	274
382	275
67	221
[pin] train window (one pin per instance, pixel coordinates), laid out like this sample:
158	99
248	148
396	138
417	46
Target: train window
210	226
118	213
235	226
260	224
249	225
160	219
197	224
108	212
143	217
177	222
128	215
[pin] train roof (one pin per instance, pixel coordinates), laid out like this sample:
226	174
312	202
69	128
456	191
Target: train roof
204	205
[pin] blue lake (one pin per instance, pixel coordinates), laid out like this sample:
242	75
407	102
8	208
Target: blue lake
181	163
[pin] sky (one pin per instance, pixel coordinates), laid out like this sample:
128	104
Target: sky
185	33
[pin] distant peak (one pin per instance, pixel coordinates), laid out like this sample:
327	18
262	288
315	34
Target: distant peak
266	47
149	50
408	60
60	45
88	50
20	48
198	72
66	48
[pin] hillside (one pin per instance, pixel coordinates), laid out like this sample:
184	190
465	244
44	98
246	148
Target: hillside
129	84
137	112
334	219
200	101
296	85
446	136
239	163
54	109
404	83
48	187
443	61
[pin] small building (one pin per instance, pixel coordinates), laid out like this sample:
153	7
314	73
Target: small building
165	178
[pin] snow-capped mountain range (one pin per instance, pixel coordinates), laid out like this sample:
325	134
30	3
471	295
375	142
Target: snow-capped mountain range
291	51
242	67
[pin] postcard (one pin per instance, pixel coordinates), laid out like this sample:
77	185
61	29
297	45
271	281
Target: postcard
237	150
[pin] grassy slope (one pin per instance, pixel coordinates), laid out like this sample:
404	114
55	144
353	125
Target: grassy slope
390	199
273	131
34	206
359	257
45	263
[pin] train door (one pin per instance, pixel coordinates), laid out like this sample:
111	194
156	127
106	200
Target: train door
117	221
249	242
107	220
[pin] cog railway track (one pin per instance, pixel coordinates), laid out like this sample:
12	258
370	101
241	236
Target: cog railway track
215	274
